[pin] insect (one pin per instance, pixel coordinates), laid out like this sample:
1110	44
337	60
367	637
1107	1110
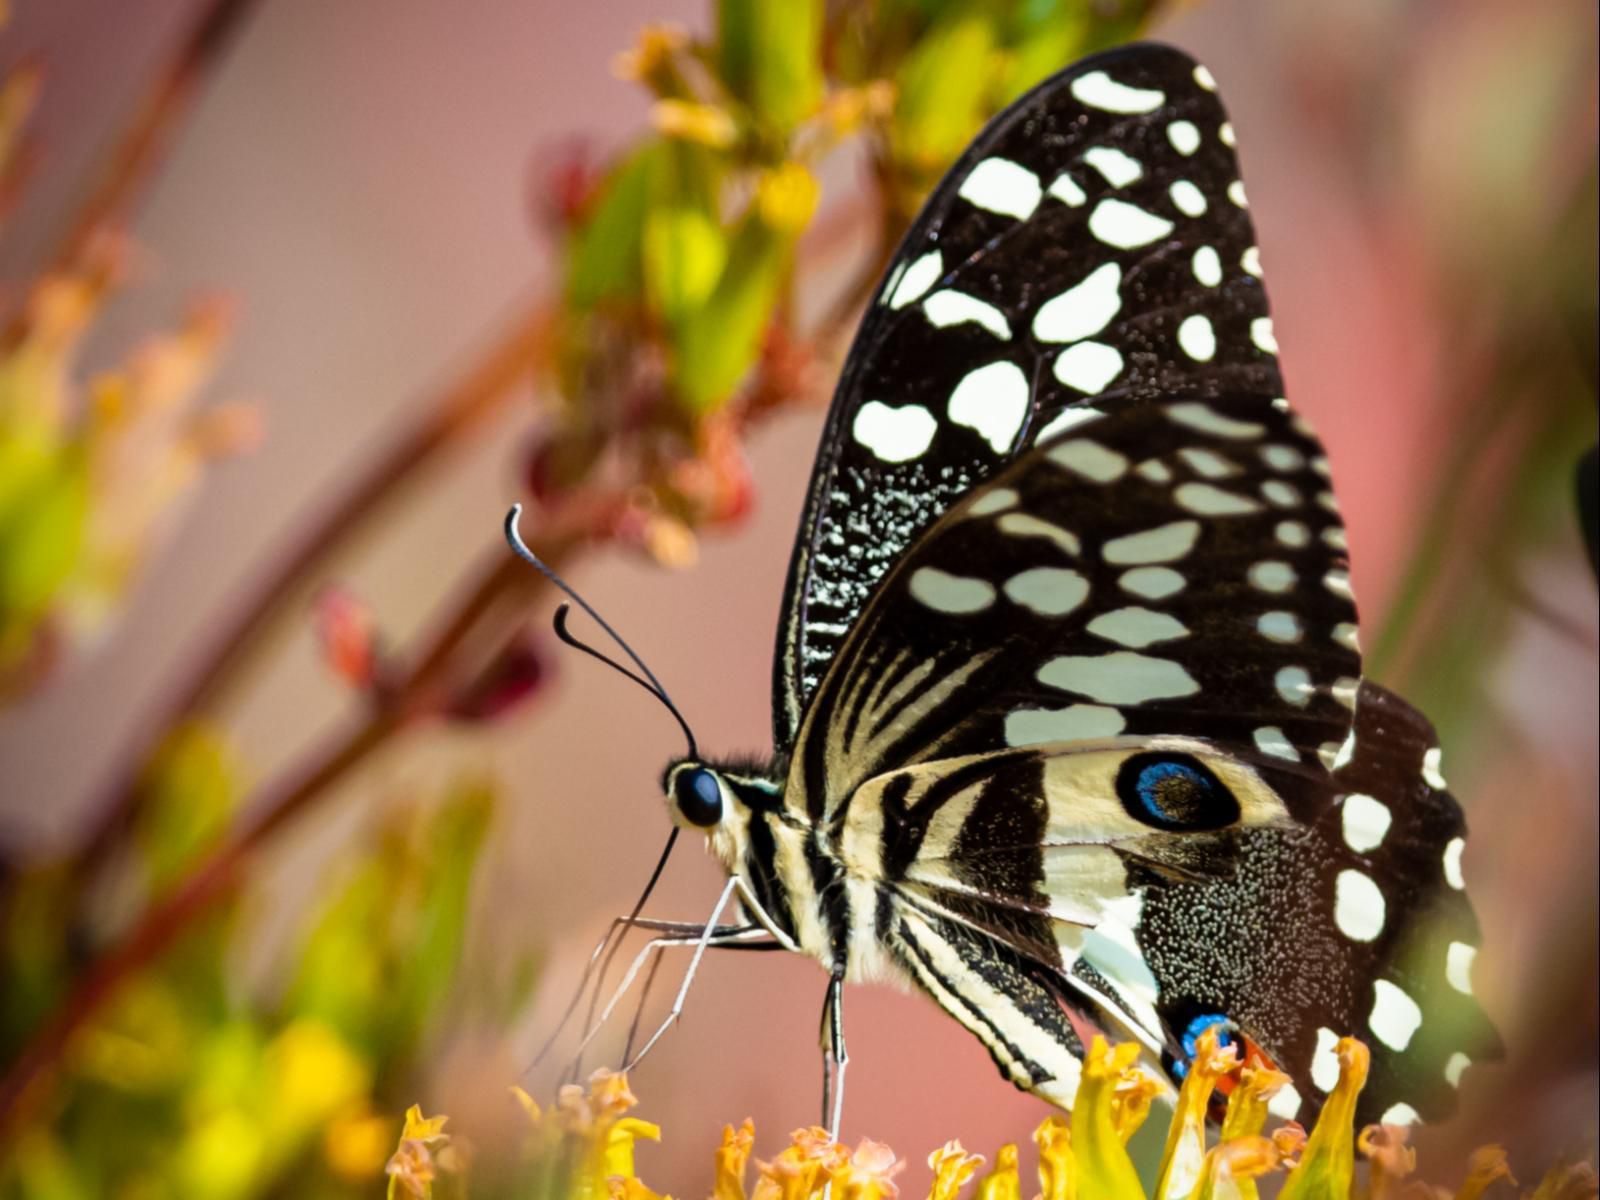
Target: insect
1070	724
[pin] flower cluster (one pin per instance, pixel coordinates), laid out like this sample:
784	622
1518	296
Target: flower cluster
588	1140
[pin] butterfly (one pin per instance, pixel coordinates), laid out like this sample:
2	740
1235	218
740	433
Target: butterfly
1070	723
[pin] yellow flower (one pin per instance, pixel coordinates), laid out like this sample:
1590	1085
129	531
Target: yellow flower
869	1173
786	196
1328	1164
1058	1171
732	1156
952	1167
1002	1183
693	122
1186	1139
1105	1172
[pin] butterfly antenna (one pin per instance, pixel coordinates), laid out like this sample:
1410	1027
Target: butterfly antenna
645	679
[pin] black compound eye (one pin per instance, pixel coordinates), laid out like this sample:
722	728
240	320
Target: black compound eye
1175	792
698	796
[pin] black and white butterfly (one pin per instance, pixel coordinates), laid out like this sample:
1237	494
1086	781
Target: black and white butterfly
1070	725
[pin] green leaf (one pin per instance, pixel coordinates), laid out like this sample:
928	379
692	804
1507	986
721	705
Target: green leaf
770	57
41	538
943	86
684	253
718	343
190	787
603	261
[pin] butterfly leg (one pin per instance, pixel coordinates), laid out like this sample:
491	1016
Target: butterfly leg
834	1056
676	1010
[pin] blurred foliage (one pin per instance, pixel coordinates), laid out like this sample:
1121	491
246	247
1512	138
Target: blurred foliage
89	468
197	1083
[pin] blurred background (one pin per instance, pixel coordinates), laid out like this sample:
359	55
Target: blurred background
273	375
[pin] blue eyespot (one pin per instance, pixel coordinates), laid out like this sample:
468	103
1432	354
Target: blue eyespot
698	796
1175	792
1227	1035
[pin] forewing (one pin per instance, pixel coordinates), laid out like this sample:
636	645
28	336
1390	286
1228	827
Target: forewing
1092	246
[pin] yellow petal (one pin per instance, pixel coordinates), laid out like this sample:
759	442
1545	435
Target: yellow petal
1058	1169
1328	1164
529	1105
952	1167
1486	1166
732	1156
1185	1153
1247	1106
1391	1159
617	1155
1231	1169
1130	1103
422	1129
1002	1182
1105	1172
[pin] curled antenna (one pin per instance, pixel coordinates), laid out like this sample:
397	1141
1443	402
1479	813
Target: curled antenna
645	679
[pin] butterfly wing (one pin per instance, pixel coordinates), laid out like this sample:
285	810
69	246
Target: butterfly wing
1091	246
1163	588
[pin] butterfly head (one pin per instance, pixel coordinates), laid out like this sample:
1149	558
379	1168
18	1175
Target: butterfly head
695	793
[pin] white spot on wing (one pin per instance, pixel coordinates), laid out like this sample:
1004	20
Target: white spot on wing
945	308
1285	1103
1066	189
949	593
1399	1113
1120	677
1271	576
1033	726
1137	627
1293	685
1455	1067
1211	501
1432	760
917	279
1098	90
1452	863
1185	138
1261	334
1191	201
894	434
1279	626
1088	367
1153	583
1270	740
1208	420
1395	1016
1205	79
1002	186
1076	414
1049	591
993	501
1358	907
1021	524
1083	309
1207	462
1126	226
1197	339
1164	543
1207	266
1325	1060
992	400
1293	534
1090	459
1236	193
1117	168
1458	966
1250	260
1366	821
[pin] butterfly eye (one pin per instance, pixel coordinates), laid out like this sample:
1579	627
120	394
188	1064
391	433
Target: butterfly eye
1175	792
698	796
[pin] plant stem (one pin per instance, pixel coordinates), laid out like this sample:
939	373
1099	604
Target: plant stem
459	410
146	139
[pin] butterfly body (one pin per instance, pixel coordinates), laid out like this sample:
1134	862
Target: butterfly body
1071	725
